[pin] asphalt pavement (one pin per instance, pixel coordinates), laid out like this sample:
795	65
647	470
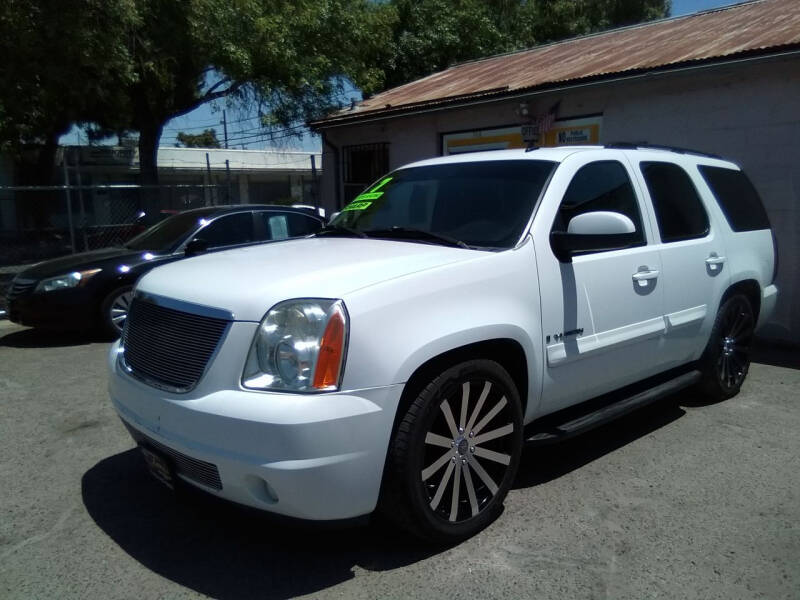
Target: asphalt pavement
681	500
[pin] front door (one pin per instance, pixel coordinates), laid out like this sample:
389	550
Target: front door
602	313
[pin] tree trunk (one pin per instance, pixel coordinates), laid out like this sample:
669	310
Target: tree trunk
149	137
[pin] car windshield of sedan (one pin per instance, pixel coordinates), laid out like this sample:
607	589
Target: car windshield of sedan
483	204
164	236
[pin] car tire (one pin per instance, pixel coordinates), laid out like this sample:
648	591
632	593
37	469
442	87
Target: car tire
726	360
114	311
450	466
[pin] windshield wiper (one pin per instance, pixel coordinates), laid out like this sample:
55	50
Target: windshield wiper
412	233
341	230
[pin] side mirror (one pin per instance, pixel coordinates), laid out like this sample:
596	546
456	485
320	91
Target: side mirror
593	232
196	246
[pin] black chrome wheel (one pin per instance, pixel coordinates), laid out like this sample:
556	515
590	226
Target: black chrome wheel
726	360
478	443
736	337
455	453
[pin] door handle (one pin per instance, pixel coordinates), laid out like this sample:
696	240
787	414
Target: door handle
643	276
714	261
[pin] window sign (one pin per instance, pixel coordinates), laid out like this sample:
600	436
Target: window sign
569	132
278	228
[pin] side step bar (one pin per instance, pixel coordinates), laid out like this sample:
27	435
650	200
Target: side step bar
579	424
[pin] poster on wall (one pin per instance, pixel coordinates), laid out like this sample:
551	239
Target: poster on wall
571	132
564	132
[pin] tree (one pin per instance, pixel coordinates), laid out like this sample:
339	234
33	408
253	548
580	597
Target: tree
284	56
58	58
131	65
426	36
207	139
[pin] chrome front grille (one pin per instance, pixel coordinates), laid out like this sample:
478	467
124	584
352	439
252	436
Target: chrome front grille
167	347
20	287
200	471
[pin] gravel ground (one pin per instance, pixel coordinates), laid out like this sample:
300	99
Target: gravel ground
680	500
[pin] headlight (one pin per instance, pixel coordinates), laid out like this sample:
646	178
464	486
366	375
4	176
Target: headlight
70	280
299	347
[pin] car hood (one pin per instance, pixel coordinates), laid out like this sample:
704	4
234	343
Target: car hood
249	281
83	261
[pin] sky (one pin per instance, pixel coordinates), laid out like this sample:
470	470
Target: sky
243	127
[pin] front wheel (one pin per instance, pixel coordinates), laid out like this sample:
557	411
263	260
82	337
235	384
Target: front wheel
726	360
114	311
455	453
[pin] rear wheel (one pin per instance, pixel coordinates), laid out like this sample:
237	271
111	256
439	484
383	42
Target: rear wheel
114	311
455	453
726	360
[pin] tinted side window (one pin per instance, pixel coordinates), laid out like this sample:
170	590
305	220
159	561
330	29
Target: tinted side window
601	185
228	230
302	225
737	198
679	210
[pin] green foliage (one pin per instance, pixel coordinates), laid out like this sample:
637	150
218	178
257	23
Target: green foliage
131	65
207	139
57	59
123	65
425	36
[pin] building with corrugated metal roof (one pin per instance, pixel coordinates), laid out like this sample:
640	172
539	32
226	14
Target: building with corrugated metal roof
723	81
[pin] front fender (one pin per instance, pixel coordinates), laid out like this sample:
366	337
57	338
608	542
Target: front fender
398	325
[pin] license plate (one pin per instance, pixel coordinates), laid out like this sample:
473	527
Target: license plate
159	467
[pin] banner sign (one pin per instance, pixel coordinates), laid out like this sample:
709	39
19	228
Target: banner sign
557	132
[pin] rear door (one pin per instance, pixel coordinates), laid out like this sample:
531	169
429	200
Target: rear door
602	313
693	257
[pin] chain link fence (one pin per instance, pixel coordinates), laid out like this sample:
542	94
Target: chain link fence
42	222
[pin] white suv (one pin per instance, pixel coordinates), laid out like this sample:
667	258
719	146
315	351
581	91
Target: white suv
458	308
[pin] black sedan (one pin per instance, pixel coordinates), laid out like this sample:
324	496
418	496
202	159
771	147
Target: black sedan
93	289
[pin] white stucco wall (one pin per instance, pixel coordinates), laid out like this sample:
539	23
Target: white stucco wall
748	112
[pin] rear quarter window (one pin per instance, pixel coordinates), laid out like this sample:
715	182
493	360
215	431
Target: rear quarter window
736	197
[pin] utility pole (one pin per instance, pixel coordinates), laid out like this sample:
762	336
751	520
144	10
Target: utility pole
69	203
225	128
210	189
314	182
228	177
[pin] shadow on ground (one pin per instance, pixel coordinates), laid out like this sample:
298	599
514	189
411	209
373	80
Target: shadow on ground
777	354
42	338
544	463
226	551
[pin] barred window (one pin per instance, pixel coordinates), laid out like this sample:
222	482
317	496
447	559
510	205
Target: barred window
363	164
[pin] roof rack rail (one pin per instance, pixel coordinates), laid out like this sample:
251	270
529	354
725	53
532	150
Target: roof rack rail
645	145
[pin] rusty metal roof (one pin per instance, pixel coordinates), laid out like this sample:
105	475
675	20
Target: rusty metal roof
750	28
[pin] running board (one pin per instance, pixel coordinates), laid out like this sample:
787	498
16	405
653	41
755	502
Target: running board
553	432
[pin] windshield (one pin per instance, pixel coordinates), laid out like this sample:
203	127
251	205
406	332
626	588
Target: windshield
164	236
480	204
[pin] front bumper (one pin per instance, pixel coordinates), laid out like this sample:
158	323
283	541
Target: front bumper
315	456
64	309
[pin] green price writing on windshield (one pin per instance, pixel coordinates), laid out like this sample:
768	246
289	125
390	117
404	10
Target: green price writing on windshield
356	205
364	200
